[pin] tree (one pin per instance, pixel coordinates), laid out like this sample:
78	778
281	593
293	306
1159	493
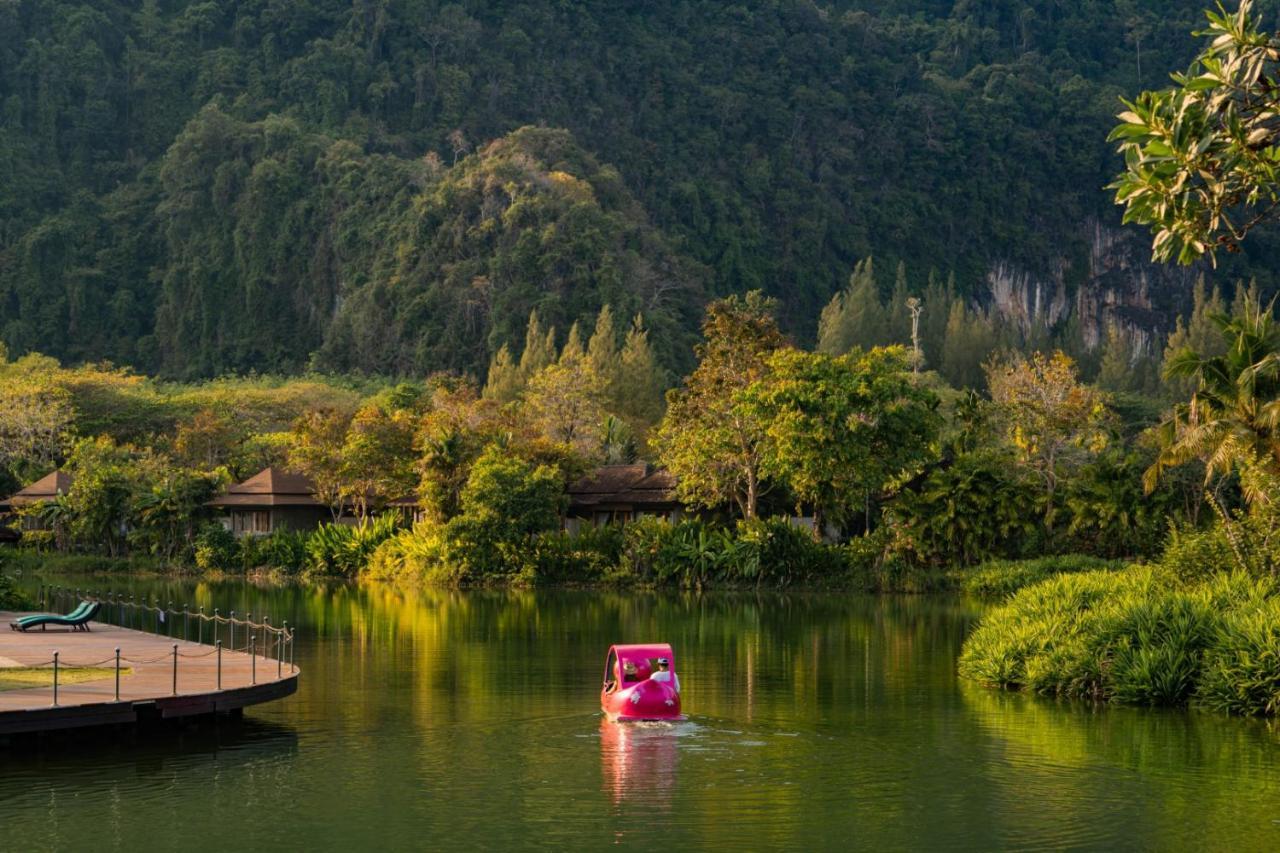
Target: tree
316	452
539	349
1202	159
451	435
106	477
637	395
377	458
35	424
854	316
712	444
562	404
1232	420
505	502
968	342
503	381
838	428
603	355
1050	417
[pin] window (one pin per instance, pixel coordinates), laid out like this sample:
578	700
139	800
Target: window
251	521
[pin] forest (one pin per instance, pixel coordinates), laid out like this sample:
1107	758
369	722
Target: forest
392	186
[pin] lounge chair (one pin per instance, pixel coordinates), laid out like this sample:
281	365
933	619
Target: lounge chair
76	620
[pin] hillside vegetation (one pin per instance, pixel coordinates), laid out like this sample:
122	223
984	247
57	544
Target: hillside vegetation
393	185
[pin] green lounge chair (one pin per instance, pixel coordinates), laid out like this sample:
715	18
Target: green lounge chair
77	620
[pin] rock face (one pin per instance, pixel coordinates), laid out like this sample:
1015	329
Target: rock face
1115	284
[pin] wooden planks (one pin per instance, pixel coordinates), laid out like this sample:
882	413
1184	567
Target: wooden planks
148	690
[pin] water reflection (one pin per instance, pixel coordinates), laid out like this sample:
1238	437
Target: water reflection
640	762
471	720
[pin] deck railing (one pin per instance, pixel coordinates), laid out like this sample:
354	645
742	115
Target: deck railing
274	644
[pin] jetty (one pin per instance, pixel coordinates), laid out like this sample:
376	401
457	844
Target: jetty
144	675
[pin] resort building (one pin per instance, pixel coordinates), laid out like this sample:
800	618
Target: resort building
271	500
615	494
47	488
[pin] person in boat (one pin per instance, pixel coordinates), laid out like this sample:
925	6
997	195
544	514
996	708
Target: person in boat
664	673
629	672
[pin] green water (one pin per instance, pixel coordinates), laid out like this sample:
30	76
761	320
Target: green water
446	720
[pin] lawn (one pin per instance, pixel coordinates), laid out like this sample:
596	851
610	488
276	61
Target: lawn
22	677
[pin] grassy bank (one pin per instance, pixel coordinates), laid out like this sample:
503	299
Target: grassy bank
1137	636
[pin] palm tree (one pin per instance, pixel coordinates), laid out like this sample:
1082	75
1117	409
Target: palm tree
1233	418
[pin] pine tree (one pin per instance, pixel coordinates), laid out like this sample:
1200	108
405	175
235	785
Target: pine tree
573	351
503	383
1115	373
602	354
853	317
969	342
539	349
1196	333
641	382
897	316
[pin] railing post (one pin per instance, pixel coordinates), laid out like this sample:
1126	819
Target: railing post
175	669
55	679
215	623
168	626
248	626
253	659
219	645
200	628
117	673
233	631
186	623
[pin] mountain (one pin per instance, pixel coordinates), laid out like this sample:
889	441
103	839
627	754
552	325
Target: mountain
392	185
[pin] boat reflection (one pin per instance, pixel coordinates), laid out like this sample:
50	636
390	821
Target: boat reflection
639	762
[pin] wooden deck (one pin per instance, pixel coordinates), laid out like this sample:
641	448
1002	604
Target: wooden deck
145	693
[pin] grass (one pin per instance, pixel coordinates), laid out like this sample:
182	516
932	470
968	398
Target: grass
1138	636
999	579
24	677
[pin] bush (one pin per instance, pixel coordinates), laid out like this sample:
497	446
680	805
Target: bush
1138	636
589	555
1242	669
410	555
780	552
11	598
337	550
1002	578
1194	555
216	548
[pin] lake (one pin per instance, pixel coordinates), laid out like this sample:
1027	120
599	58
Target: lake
470	720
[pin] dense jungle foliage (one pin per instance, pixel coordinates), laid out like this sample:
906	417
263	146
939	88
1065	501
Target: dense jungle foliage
394	185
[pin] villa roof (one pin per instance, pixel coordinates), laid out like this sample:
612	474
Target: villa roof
634	485
46	488
270	487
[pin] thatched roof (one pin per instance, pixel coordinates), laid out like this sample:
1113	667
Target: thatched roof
631	485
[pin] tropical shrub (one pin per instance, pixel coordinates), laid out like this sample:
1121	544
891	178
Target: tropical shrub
339	550
11	598
589	555
216	548
1001	578
1138	636
978	506
1110	514
780	552
1242	670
